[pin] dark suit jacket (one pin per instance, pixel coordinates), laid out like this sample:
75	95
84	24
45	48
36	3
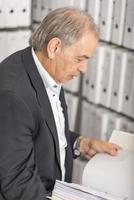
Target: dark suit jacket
29	149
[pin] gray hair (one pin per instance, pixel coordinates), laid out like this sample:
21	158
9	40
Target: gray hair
68	24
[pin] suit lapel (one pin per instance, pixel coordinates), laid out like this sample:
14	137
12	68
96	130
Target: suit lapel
63	104
68	160
42	96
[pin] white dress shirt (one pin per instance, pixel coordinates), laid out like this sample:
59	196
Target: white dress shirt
53	90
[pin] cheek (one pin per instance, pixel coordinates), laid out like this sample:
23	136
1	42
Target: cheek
65	67
60	72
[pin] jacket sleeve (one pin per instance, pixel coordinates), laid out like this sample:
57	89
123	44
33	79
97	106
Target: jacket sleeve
19	179
73	137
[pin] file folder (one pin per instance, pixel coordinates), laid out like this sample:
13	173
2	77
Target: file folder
86	82
128	40
87	119
100	123
96	71
12	42
80	4
11	13
2	14
45	5
23	38
125	96
132	99
34	10
92	80
72	103
3	43
106	15
118	80
94	10
24	13
107	76
37	14
110	124
60	3
119	21
122	124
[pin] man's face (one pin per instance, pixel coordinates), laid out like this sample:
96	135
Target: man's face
70	61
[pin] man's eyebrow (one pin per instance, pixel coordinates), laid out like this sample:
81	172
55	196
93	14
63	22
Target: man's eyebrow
84	56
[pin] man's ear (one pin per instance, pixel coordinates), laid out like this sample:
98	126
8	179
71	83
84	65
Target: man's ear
53	47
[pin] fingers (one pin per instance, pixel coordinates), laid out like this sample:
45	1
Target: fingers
105	147
113	149
91	152
92	146
117	147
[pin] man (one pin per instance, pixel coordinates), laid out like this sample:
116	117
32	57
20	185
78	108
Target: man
36	146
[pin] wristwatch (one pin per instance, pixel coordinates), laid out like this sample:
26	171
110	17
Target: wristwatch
76	149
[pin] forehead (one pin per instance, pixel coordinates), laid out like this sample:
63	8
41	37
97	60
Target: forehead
85	46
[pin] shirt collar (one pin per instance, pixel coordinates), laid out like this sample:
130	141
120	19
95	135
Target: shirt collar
48	81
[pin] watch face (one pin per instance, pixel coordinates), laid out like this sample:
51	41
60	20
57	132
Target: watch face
76	152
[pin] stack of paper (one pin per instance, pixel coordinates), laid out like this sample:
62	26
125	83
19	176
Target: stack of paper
71	191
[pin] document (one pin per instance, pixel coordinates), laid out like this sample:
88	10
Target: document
105	177
71	191
113	174
124	139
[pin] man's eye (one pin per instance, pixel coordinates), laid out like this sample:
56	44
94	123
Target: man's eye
79	60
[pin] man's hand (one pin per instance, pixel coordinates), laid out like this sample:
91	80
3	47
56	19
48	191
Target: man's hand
92	146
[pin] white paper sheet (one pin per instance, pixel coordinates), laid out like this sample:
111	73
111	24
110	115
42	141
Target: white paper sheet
113	174
124	139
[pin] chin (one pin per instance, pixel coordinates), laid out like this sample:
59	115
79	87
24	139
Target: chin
64	81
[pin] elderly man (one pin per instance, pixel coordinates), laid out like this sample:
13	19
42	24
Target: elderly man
36	146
